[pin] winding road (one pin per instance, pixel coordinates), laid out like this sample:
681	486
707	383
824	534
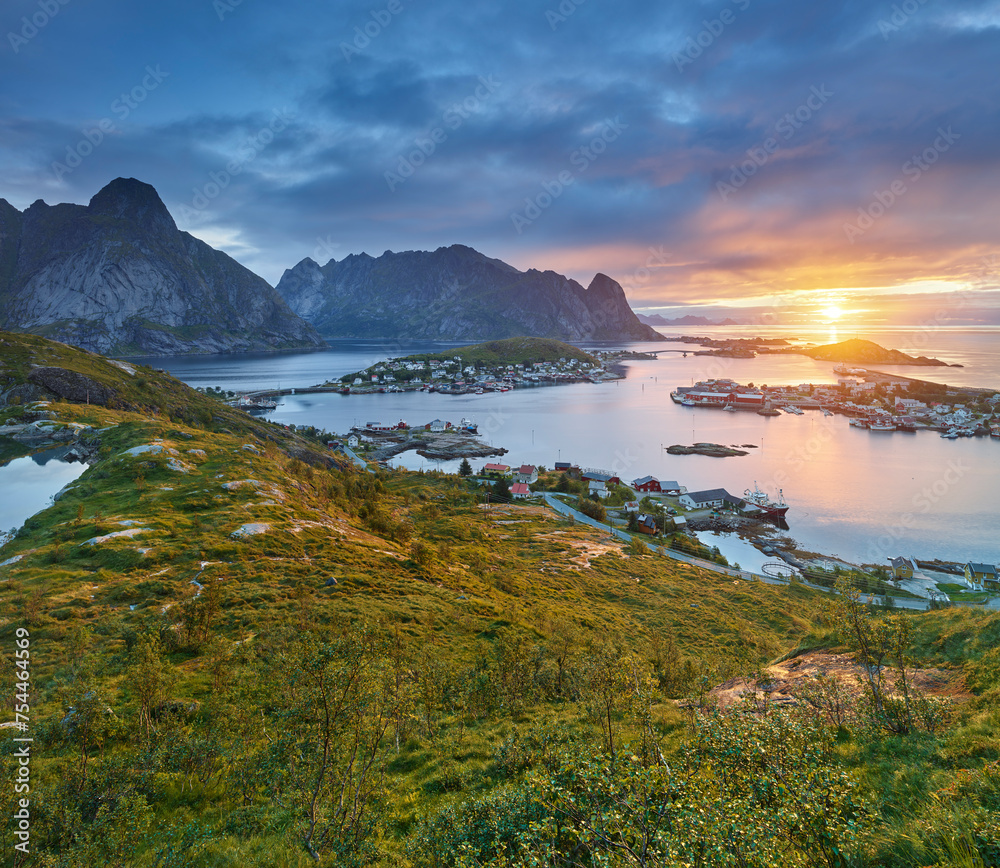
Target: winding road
564	508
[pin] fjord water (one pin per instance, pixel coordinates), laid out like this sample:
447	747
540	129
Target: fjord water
862	495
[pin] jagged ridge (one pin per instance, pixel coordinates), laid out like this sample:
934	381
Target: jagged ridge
455	293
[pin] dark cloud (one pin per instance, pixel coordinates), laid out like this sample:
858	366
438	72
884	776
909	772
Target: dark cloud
481	110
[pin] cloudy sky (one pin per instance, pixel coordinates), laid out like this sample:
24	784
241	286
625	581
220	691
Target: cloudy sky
831	159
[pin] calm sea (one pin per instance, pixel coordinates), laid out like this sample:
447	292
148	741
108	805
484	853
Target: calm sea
857	494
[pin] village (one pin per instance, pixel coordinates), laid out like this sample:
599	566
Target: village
664	510
459	376
879	402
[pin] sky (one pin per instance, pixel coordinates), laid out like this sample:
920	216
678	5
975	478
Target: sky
774	161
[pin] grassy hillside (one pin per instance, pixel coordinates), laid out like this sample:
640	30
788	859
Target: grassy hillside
861	351
287	663
511	351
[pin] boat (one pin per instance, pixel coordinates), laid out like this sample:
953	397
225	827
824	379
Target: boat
468	426
949	435
768	411
729	408
882	425
826	412
773	508
995	431
256	405
687	402
858	422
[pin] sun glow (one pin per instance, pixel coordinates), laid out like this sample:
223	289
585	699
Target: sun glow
833	312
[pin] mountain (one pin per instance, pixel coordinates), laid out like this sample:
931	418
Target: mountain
455	293
658	320
117	276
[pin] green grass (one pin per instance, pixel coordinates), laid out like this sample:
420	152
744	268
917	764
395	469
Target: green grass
510	351
448	588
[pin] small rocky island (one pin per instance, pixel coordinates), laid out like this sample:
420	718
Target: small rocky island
712	450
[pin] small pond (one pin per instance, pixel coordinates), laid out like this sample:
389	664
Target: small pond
28	484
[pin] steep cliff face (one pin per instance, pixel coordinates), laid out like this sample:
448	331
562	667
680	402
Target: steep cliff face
117	276
455	293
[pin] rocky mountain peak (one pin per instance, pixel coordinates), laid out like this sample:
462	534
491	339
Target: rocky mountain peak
605	286
117	276
129	199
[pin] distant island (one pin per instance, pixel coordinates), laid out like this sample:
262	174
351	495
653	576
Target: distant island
688	320
858	351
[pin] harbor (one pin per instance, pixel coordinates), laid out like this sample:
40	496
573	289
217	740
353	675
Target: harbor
861	495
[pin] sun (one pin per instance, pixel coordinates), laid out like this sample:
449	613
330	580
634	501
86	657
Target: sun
833	312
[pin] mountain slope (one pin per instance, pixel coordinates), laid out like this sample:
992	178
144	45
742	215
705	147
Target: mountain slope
117	276
455	293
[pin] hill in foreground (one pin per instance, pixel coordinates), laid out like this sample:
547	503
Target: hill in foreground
230	638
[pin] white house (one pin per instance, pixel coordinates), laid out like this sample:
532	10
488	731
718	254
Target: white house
520	491
712	497
353	441
527	473
598	486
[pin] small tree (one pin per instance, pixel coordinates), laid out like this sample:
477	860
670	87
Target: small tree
501	489
149	678
465	469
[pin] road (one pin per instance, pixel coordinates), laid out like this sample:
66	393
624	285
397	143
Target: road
564	508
